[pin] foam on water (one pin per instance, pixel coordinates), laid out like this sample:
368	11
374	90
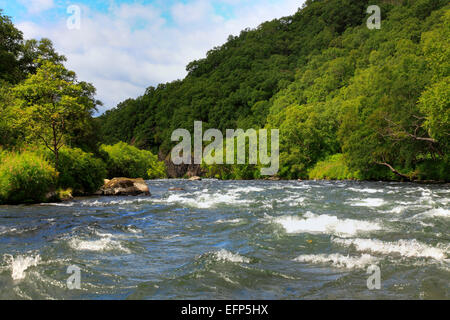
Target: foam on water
398	209
19	264
106	243
227	256
338	260
437	212
5	230
246	190
405	248
369	202
365	190
96	203
231	221
64	204
294	200
311	223
205	201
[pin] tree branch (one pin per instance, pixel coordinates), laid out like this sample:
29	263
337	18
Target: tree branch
393	170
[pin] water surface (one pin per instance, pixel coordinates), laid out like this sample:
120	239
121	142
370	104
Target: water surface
233	240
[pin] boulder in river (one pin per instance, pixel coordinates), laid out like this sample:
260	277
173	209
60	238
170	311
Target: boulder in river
195	178
125	187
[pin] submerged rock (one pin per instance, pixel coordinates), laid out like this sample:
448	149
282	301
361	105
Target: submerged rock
176	189
124	187
59	196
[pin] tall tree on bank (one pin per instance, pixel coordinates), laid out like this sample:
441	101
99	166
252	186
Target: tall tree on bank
20	58
52	104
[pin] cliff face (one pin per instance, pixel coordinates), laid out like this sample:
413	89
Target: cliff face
184	170
180	171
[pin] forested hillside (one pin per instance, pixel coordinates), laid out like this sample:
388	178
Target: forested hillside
233	86
332	86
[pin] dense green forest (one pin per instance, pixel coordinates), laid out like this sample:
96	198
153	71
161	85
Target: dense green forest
350	102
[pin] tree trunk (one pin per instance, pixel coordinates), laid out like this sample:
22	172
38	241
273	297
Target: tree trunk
55	147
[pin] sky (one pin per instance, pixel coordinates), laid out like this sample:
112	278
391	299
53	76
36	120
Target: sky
123	46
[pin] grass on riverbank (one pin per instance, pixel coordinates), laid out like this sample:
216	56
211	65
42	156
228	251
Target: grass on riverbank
333	168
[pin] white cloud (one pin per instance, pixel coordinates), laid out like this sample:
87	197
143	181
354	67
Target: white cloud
37	6
121	57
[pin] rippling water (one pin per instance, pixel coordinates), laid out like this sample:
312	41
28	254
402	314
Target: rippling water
233	240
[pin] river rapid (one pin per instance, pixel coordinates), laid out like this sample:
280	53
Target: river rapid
233	240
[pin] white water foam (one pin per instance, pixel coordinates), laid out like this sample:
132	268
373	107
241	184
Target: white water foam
311	223
432	213
231	221
294	200
5	230
437	212
106	243
96	203
406	248
20	264
225	255
205	201
64	204
398	209
365	190
246	190
338	260
369	202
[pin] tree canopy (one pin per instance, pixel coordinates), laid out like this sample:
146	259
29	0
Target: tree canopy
331	85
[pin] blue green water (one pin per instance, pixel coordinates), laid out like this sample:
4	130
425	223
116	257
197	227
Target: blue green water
233	240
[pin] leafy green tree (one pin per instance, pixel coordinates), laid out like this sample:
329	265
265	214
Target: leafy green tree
124	160
10	48
20	58
79	170
53	103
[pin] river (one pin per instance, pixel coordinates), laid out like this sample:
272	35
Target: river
233	240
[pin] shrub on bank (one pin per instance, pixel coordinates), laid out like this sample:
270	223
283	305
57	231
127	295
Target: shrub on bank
333	168
25	177
127	161
79	170
438	170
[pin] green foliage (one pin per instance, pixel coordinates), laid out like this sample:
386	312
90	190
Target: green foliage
124	160
435	104
79	170
25	178
233	86
379	97
43	104
10	47
19	57
331	86
231	172
333	168
11	133
431	169
53	104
